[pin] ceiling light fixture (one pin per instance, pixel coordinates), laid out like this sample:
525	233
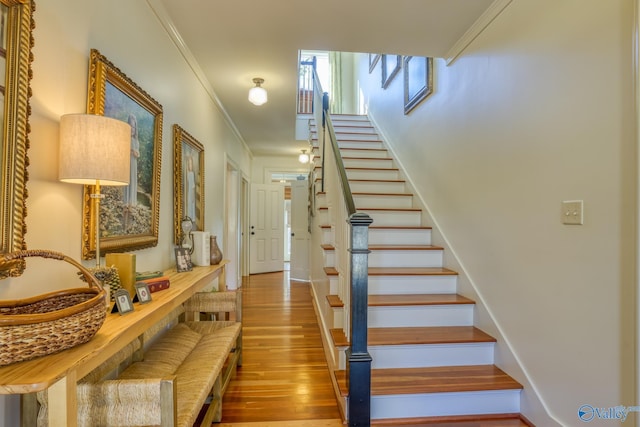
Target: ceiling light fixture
258	94
304	157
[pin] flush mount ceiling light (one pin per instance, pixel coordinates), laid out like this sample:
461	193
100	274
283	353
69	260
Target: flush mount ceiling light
304	157
258	94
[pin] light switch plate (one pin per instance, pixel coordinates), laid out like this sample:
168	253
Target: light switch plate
572	212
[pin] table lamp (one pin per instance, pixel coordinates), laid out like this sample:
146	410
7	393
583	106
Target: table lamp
94	150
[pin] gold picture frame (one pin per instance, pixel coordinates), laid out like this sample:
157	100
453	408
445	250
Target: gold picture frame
129	216
16	42
188	169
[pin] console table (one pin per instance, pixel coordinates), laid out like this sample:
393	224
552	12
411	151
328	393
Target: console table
59	372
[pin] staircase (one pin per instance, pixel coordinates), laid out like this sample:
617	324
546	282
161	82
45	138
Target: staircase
430	364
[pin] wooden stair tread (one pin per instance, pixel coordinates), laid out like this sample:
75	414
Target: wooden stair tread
417	335
405	248
383	194
364	149
353	140
334	301
397	181
375	180
400	271
399	227
441	379
330	271
363	168
417	299
476	420
390	209
411	271
407	300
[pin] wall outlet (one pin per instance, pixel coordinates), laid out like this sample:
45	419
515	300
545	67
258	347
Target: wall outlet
572	212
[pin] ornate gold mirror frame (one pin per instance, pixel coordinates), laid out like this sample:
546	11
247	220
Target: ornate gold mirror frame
16	41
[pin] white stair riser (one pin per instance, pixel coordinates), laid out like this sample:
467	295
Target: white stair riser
329	258
383	201
333	285
409	285
327	236
348	135
382	174
376	145
426	355
394	218
321	200
346	127
354	152
338	317
364	154
361	144
404	258
400	236
336	118
417	356
431	315
368	163
323	216
390	187
444	404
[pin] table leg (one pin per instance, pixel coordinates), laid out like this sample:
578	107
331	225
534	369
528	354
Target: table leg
63	406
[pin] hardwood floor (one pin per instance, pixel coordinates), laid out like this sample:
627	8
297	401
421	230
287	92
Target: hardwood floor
284	374
284	380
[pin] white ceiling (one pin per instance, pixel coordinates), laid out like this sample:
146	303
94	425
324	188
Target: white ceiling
234	41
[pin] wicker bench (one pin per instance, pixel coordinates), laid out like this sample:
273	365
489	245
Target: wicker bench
179	371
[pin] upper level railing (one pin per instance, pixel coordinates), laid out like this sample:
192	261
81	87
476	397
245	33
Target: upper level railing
305	85
351	253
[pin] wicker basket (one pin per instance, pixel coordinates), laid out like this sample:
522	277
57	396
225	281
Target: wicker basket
52	322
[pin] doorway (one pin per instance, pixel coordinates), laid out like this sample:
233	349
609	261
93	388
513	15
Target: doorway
275	210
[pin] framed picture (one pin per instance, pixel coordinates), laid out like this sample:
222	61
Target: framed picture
418	80
188	158
16	42
123	302
128	215
142	293
391	65
183	260
373	60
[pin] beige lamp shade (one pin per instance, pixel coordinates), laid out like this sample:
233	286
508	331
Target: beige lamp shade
94	149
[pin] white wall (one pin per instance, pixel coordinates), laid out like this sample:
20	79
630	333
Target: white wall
537	110
130	36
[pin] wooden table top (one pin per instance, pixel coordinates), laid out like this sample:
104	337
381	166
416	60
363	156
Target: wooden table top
117	331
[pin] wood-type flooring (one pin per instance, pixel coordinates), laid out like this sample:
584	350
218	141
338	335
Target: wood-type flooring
284	374
284	380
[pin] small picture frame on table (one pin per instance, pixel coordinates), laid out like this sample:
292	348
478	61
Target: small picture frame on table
123	302
142	293
183	260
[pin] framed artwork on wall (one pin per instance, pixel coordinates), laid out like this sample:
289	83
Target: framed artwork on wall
129	215
188	169
418	80
391	65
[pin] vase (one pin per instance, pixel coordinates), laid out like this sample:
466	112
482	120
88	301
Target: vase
216	255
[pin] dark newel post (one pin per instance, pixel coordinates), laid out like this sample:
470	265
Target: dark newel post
358	357
325	112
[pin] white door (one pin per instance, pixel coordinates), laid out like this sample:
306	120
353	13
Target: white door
300	236
266	228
